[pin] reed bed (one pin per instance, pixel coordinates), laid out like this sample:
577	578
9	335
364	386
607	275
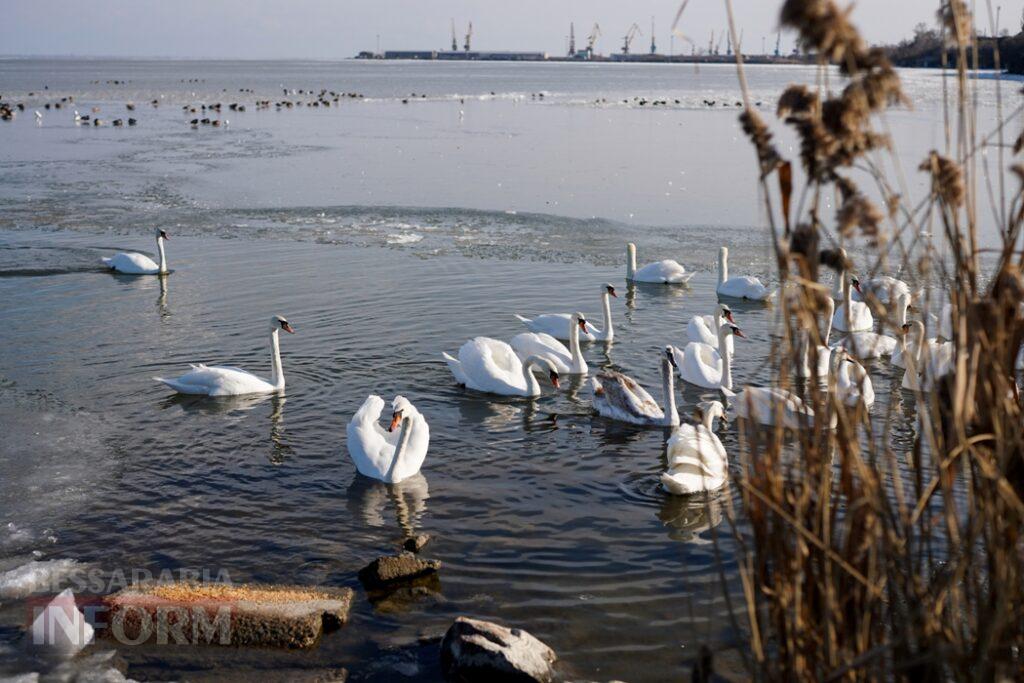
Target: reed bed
859	561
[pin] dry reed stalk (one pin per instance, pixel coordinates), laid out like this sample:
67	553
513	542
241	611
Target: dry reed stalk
859	561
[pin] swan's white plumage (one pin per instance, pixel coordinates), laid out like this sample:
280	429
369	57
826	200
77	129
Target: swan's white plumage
213	380
760	404
701	329
557	325
132	264
744	287
853	384
700	364
492	366
697	460
886	289
540	344
666	272
373	449
861	319
866	345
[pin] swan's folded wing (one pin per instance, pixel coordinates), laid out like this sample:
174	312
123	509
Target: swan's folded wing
483	357
624	393
540	344
367	441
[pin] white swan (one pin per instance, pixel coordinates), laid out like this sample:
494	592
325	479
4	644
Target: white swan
761	404
866	345
391	455
558	324
566	361
697	460
704	328
492	366
824	351
853	385
667	272
702	364
618	397
883	288
131	263
910	344
228	381
860	314
927	363
740	286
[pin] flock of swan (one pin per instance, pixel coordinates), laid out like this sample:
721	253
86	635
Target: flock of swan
697	460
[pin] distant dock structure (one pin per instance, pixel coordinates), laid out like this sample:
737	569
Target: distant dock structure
459	55
713	54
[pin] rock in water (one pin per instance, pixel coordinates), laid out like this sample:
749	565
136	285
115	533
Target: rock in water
415	543
475	650
61	626
392	571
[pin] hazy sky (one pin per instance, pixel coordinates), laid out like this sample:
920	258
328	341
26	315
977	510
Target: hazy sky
333	29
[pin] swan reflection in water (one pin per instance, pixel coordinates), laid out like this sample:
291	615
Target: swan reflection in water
690	516
368	499
161	300
239	406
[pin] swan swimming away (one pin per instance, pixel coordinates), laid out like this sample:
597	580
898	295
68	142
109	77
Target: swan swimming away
558	325
391	455
566	361
618	397
703	365
704	328
492	366
131	263
214	380
740	286
697	460
667	272
853	384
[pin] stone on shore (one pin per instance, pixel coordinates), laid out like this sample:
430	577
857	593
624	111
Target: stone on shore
393	571
416	543
220	614
475	650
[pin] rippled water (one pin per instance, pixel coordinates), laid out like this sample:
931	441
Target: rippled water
386	233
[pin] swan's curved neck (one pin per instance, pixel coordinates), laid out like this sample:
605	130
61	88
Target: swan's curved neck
403	441
723	265
532	385
726	352
709	420
574	344
902	303
606	303
163	256
668	389
830	312
276	372
630	261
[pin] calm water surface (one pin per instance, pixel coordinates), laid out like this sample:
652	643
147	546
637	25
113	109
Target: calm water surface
386	233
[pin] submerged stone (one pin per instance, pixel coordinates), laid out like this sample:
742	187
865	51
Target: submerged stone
220	614
475	650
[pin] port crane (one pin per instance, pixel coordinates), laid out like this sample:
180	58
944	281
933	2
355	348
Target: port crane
711	43
455	42
654	47
778	42
469	34
632	33
595	33
572	40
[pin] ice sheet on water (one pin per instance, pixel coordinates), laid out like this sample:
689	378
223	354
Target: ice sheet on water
34	577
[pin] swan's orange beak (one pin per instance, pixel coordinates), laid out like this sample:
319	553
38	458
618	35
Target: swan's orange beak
287	328
739	333
396	419
165	235
611	290
856	285
728	316
554	379
583	326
